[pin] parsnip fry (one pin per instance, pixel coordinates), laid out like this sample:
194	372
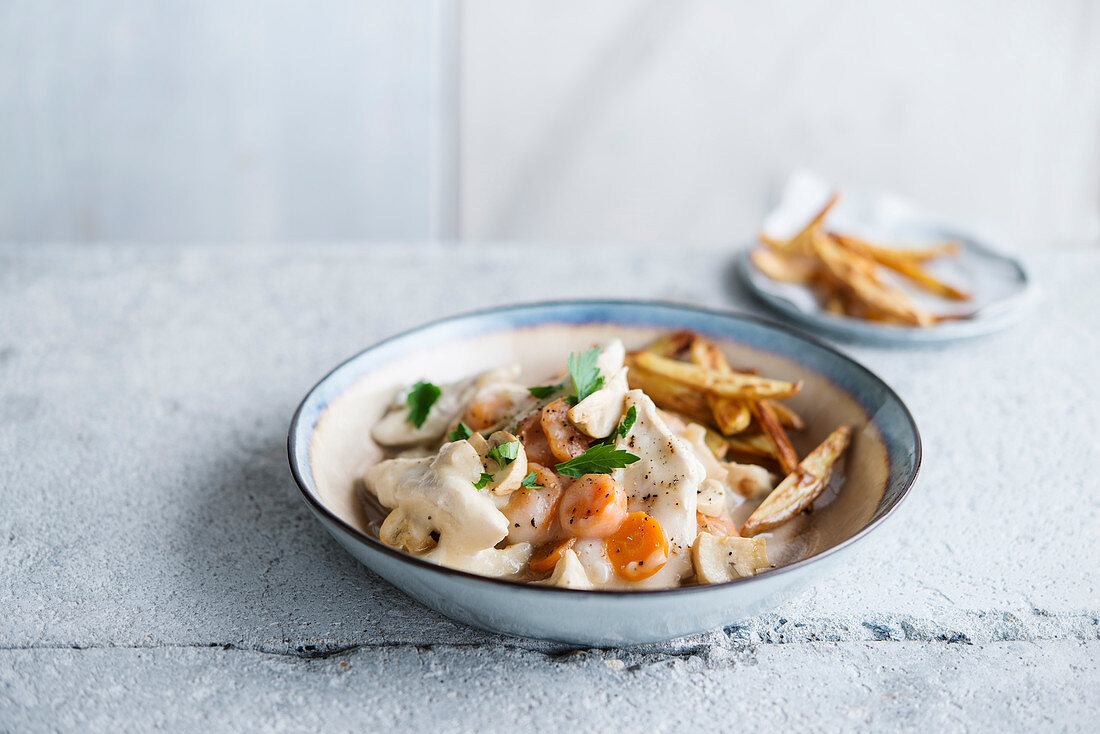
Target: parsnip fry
922	254
787	416
752	444
900	263
769	423
729	385
718	445
851	270
706	353
730	415
784	268
801	487
670	395
801	243
671	345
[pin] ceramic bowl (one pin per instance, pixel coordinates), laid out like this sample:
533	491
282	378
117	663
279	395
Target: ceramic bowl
329	447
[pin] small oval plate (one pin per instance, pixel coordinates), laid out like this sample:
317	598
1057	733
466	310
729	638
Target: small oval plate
1000	287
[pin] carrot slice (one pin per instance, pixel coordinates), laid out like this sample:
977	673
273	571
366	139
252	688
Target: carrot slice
639	548
547	556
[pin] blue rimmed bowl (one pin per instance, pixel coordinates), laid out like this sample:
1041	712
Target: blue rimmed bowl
329	446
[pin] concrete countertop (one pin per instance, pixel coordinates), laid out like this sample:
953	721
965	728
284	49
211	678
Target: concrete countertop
159	568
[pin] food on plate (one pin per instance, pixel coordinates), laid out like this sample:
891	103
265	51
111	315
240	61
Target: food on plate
847	272
651	469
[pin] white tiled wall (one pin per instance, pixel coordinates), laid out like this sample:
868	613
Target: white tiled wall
663	122
653	122
223	119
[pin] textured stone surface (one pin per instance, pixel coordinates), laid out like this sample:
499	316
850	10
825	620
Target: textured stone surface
817	687
144	401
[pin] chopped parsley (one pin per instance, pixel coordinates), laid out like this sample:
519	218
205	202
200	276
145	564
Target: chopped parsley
544	391
628	422
599	459
484	481
420	401
585	376
585	373
532	481
505	453
461	432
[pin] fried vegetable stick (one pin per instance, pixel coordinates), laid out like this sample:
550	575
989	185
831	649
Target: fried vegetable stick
801	487
900	263
802	243
784	268
671	345
773	429
731	415
669	394
787	416
753	444
716	443
922	254
851	271
730	385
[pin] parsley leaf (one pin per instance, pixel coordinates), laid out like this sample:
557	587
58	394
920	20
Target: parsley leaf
461	432
532	480
601	459
544	391
585	373
505	453
420	400
628	422
484	481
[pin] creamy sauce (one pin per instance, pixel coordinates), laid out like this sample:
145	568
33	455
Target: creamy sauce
676	476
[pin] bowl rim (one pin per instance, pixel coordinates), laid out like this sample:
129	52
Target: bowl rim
521	586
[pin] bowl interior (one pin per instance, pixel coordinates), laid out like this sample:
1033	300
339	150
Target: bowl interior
331	444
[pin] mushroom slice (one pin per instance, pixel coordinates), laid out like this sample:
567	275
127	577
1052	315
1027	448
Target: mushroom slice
401	531
480	444
508	469
719	559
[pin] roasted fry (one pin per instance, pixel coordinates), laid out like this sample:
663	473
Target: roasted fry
845	272
730	385
801	487
773	429
717	444
731	415
669	394
752	444
851	271
801	243
787	416
784	268
671	345
916	255
903	264
706	353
